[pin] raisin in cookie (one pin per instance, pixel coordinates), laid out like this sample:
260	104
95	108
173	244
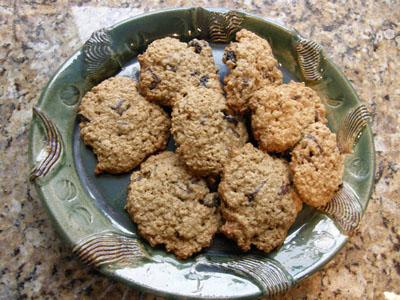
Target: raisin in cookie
257	200
169	66
121	126
252	66
171	206
317	165
280	114
204	130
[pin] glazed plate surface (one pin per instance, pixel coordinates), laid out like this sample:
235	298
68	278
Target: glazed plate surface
88	210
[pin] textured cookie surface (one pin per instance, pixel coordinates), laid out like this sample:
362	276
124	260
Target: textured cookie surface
280	114
204	130
257	200
317	165
252	66
169	66
171	206
120	125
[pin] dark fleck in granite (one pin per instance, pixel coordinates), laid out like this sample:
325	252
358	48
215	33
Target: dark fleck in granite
362	37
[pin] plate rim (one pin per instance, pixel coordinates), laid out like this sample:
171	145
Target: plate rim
41	186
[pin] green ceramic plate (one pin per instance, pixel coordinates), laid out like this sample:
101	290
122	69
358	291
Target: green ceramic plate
88	210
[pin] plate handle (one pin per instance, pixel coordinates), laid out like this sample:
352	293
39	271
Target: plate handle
108	248
351	128
345	209
99	56
217	27
268	274
54	146
309	57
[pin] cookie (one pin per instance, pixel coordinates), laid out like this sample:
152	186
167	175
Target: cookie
169	66
280	114
257	201
120	125
171	206
317	165
252	66
205	130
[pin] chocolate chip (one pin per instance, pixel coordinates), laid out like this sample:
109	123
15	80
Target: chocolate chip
121	110
296	97
196	45
230	55
118	105
251	195
285	189
83	118
266	75
314	139
203	80
231	119
195	73
156	79
172	68
139	178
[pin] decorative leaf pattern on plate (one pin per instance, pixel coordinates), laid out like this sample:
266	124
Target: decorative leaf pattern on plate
217	27
54	146
65	190
334	102
266	273
82	215
309	57
345	209
351	128
70	94
108	248
99	55
358	167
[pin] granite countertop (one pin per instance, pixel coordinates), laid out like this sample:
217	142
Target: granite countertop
362	38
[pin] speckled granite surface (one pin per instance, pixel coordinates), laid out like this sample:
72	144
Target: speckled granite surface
362	37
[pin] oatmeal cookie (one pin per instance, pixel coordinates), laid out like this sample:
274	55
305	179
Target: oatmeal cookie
280	114
169	66
205	130
257	200
171	206
252	66
120	125
317	165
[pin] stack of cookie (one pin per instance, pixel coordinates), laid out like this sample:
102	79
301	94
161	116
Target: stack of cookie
216	181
